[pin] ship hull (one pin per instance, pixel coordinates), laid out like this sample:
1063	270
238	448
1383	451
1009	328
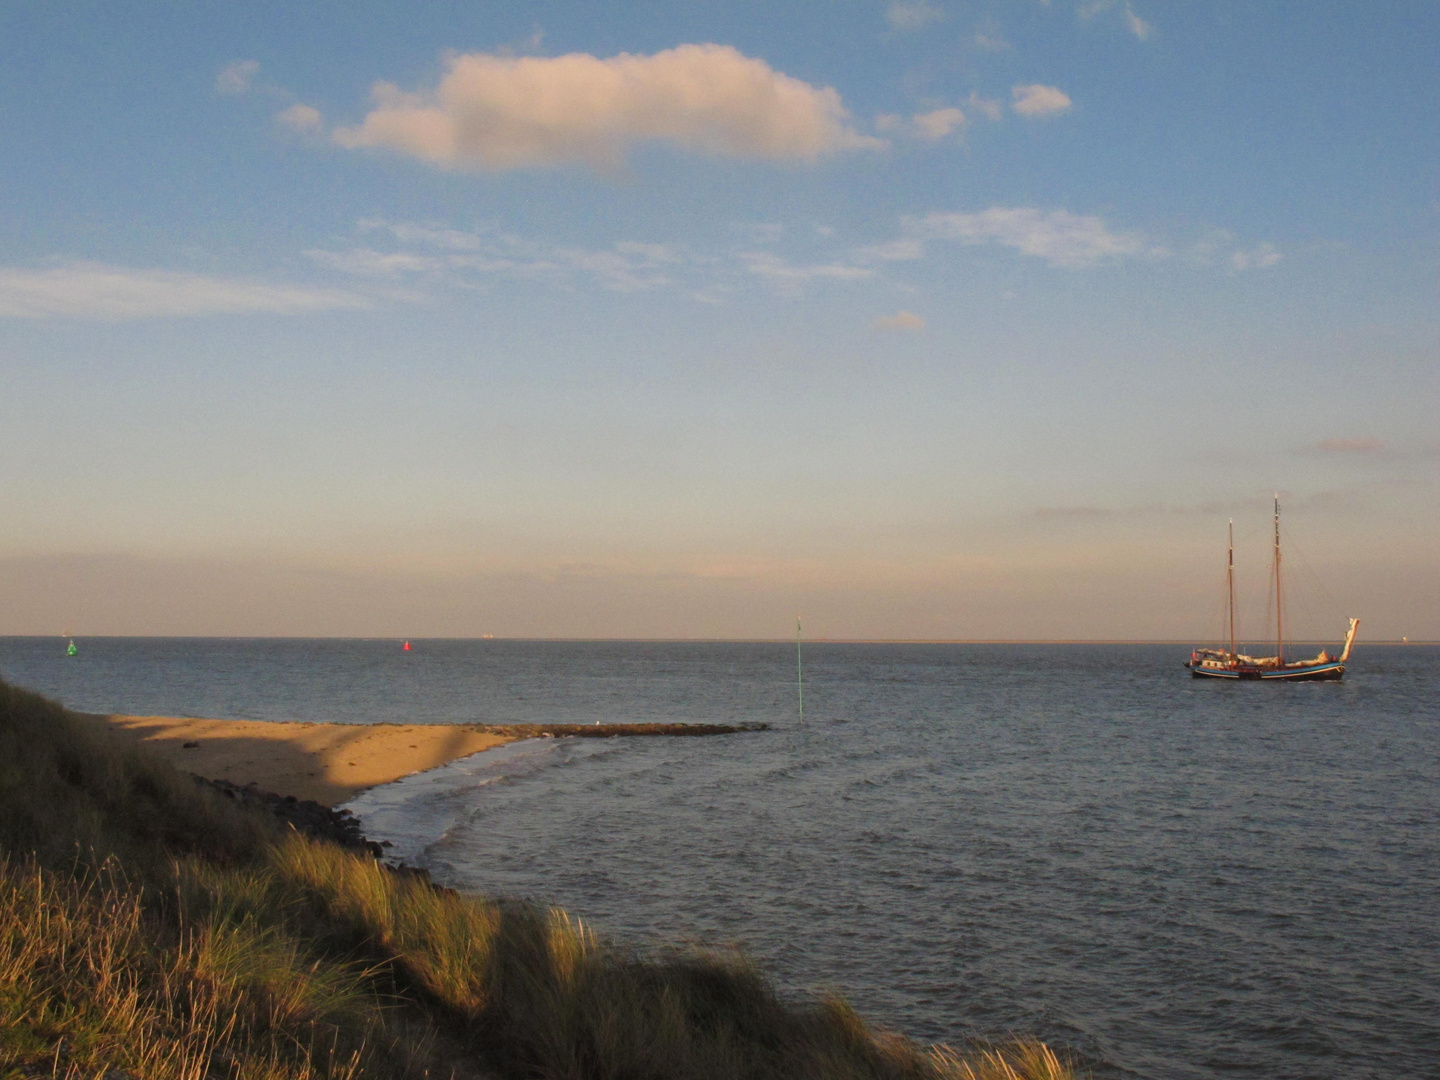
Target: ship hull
1331	672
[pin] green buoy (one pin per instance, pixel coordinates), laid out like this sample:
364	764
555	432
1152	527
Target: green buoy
71	650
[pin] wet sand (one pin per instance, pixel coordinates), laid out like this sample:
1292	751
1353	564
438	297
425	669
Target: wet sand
329	763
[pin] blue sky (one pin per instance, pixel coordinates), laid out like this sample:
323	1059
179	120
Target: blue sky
927	320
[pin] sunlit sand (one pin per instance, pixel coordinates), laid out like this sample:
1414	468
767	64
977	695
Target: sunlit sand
329	763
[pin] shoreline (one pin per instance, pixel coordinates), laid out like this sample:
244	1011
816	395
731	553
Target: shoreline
329	763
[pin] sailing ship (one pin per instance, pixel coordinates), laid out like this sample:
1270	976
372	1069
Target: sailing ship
1230	664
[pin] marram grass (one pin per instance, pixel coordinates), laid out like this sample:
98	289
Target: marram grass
151	929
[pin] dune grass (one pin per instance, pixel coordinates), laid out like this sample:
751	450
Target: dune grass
149	926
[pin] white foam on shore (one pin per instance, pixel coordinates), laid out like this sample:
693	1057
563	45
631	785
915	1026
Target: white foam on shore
416	812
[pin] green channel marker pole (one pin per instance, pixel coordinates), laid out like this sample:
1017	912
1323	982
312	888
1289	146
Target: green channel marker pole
799	671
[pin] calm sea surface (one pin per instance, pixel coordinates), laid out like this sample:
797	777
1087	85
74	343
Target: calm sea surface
1175	878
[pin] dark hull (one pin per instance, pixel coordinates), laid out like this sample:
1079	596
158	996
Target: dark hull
1331	672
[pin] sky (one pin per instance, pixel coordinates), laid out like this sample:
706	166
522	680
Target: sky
921	320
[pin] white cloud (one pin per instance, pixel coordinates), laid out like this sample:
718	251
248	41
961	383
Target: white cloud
299	118
937	124
92	291
494	113
900	321
1062	239
235	78
1260	257
1039	101
914	15
991	42
1138	26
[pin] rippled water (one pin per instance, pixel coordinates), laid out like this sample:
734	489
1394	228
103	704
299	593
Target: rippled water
1177	878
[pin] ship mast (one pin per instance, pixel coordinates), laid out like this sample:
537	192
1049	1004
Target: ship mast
1279	614
1230	575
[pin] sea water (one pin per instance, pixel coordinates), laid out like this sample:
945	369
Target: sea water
1175	878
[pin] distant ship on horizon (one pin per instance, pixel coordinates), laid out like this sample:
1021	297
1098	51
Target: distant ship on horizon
1229	664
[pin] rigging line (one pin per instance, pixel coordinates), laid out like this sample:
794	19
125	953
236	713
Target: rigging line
1248	605
1223	593
1337	609
1248	586
1303	595
1270	605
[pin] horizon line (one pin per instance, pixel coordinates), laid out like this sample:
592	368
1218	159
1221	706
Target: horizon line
702	640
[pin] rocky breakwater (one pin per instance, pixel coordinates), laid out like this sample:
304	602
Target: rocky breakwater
319	822
610	731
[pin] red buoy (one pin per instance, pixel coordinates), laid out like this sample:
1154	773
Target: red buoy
406	646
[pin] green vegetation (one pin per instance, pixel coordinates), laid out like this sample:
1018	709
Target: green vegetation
150	928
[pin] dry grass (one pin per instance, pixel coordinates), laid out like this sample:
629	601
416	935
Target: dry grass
89	980
226	948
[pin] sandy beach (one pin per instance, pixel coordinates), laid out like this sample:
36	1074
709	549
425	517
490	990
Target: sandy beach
329	763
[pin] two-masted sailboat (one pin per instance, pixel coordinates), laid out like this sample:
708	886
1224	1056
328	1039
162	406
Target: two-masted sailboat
1229	664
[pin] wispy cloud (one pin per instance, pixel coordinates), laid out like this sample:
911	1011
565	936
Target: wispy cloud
1259	257
236	78
939	123
302	118
767	265
367	262
495	113
987	107
912	14
901	321
1081	512
1087	11
903	250
1037	101
1331	498
446	255
1361	445
454	256
1063	239
1133	22
930	126
1222	247
1136	25
94	291
429	235
433	255
993	41
759	232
